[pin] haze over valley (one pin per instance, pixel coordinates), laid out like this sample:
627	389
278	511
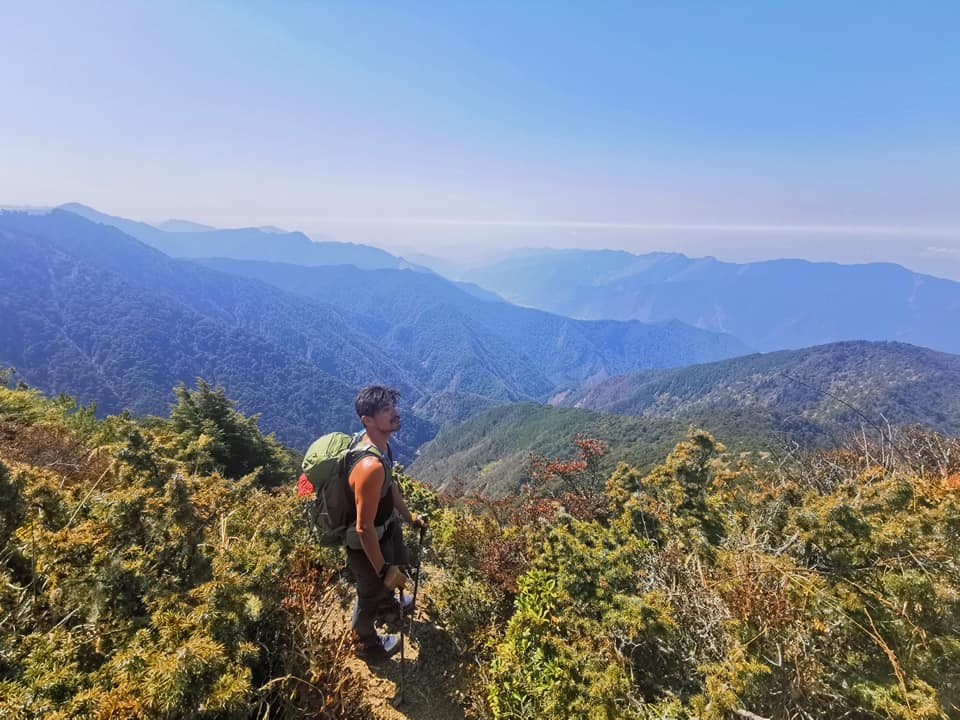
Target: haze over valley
289	327
670	293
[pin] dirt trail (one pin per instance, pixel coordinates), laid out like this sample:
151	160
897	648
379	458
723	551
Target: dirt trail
428	678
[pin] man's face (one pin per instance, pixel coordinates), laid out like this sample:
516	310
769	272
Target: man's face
386	419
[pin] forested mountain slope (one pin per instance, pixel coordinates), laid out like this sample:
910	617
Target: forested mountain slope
489	453
88	310
810	394
91	311
772	305
817	397
447	327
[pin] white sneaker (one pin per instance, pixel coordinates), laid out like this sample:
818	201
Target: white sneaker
385	647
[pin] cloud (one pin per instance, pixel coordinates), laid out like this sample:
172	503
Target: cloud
860	230
942	251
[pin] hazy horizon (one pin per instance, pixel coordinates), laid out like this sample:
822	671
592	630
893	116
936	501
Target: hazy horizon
744	132
466	242
924	253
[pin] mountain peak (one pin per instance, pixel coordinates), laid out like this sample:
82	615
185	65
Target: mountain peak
187	239
176	225
770	304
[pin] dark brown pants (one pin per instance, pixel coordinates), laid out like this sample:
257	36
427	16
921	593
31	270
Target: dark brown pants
371	592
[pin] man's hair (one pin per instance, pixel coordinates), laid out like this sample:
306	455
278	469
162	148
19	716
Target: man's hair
374	398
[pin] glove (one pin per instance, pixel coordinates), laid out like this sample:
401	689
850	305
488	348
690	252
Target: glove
394	577
419	521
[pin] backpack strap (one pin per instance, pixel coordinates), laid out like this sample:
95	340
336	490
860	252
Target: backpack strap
357	451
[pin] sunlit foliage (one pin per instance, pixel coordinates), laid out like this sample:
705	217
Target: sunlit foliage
146	572
719	589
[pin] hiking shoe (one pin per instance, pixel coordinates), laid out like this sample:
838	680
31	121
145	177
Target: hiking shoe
385	647
389	610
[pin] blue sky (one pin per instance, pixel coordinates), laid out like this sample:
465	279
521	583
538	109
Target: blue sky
739	129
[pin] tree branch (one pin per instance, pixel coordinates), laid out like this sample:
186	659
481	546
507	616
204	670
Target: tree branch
740	712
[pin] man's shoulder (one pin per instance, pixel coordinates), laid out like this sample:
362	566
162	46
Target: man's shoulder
367	462
364	449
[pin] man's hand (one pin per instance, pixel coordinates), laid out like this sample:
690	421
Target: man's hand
393	577
419	521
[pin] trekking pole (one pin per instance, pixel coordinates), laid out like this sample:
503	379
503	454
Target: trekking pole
416	581
401	698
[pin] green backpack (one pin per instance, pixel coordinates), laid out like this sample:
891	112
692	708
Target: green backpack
324	468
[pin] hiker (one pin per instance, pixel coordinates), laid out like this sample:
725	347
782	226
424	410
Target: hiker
375	550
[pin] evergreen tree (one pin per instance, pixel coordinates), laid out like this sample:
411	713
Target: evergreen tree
213	436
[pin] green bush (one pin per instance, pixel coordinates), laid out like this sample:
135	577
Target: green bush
717	587
140	582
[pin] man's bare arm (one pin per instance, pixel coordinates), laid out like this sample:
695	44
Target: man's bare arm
366	480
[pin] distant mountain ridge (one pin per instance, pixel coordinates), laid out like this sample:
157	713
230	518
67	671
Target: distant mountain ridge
807	393
772	305
184	239
439	320
816	397
89	310
172	225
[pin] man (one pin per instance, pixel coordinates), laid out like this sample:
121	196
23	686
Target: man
375	549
